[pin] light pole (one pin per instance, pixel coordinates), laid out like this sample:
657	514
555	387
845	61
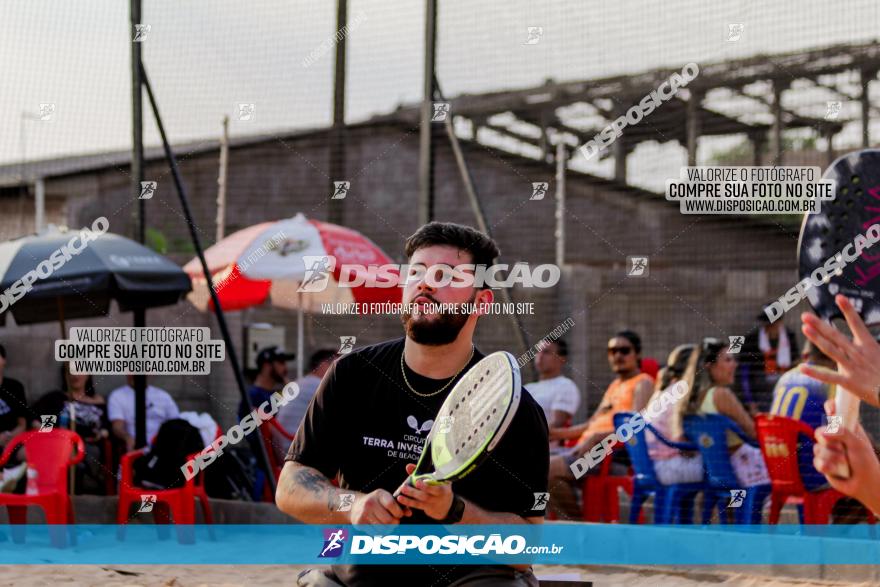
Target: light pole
24	117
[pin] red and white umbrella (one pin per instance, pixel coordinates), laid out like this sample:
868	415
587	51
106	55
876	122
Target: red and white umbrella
293	263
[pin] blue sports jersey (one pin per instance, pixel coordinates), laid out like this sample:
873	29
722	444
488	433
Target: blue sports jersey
799	397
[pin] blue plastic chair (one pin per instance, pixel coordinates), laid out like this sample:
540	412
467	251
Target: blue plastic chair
709	433
672	503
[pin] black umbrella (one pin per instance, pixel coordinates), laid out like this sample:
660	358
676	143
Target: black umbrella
62	275
74	277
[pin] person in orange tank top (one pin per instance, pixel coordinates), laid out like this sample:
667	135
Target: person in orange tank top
630	391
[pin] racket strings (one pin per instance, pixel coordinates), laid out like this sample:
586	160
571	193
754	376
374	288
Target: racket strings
476	407
493	380
496	392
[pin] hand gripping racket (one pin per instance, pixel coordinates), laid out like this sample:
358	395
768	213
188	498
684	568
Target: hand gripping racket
855	208
471	421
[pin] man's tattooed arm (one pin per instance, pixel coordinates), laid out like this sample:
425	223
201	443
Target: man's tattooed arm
309	496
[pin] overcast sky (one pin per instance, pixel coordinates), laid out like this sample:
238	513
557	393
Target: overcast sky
205	57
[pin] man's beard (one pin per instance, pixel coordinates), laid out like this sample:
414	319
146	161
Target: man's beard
441	329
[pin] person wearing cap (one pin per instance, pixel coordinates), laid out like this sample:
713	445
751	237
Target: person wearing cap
271	377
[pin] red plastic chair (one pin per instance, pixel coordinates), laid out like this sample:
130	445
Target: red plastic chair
600	492
199	488
650	367
599	500
178	502
778	437
50	454
109	455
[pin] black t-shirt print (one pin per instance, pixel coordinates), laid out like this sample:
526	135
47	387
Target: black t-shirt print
13	404
365	424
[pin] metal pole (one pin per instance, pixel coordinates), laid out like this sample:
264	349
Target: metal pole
866	77
778	123
619	149
232	357
137	176
300	336
22	146
335	212
39	204
757	147
480	215
544	141
426	131
221	180
561	160
829	135
693	126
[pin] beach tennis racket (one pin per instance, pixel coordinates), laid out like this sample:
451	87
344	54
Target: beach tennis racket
472	420
855	207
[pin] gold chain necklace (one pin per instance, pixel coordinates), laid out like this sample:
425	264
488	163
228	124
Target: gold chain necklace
405	380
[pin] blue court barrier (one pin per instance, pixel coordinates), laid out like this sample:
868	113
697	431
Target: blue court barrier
558	544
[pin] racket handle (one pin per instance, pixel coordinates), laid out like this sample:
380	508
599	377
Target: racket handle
846	405
409	481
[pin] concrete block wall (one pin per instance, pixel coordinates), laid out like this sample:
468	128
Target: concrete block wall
708	275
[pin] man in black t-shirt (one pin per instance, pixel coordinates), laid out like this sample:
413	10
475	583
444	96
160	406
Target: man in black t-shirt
368	421
13	407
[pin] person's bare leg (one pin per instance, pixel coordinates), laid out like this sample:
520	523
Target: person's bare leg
563	498
587	445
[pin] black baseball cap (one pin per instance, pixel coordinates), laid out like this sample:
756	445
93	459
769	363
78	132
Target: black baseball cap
272	354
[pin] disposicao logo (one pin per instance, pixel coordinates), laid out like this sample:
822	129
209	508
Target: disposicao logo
334	543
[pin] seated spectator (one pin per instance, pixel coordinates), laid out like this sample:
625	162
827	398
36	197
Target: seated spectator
557	395
800	397
628	392
291	414
709	375
767	352
87	408
79	403
121	411
271	376
14	416
671	465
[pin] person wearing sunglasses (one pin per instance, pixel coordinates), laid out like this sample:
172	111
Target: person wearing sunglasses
629	392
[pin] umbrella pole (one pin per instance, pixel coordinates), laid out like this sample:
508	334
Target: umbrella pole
72	480
71	408
231	355
299	339
61	317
